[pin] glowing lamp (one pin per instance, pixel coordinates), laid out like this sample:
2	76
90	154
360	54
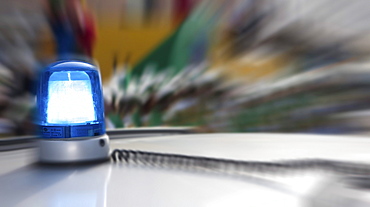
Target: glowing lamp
71	113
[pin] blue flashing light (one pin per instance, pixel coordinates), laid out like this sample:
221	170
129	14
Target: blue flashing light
70	101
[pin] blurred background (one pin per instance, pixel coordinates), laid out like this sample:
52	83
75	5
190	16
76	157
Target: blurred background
215	65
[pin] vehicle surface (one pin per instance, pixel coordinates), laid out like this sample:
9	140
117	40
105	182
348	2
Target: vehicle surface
24	182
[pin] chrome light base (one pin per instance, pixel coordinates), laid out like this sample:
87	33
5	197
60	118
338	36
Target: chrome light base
74	150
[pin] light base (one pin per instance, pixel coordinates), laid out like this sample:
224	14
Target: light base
72	150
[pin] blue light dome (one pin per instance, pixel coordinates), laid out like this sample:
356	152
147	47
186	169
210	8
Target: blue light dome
70	102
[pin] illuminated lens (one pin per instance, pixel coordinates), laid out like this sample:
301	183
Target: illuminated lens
70	98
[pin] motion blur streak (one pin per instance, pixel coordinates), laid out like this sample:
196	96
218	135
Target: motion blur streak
215	65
